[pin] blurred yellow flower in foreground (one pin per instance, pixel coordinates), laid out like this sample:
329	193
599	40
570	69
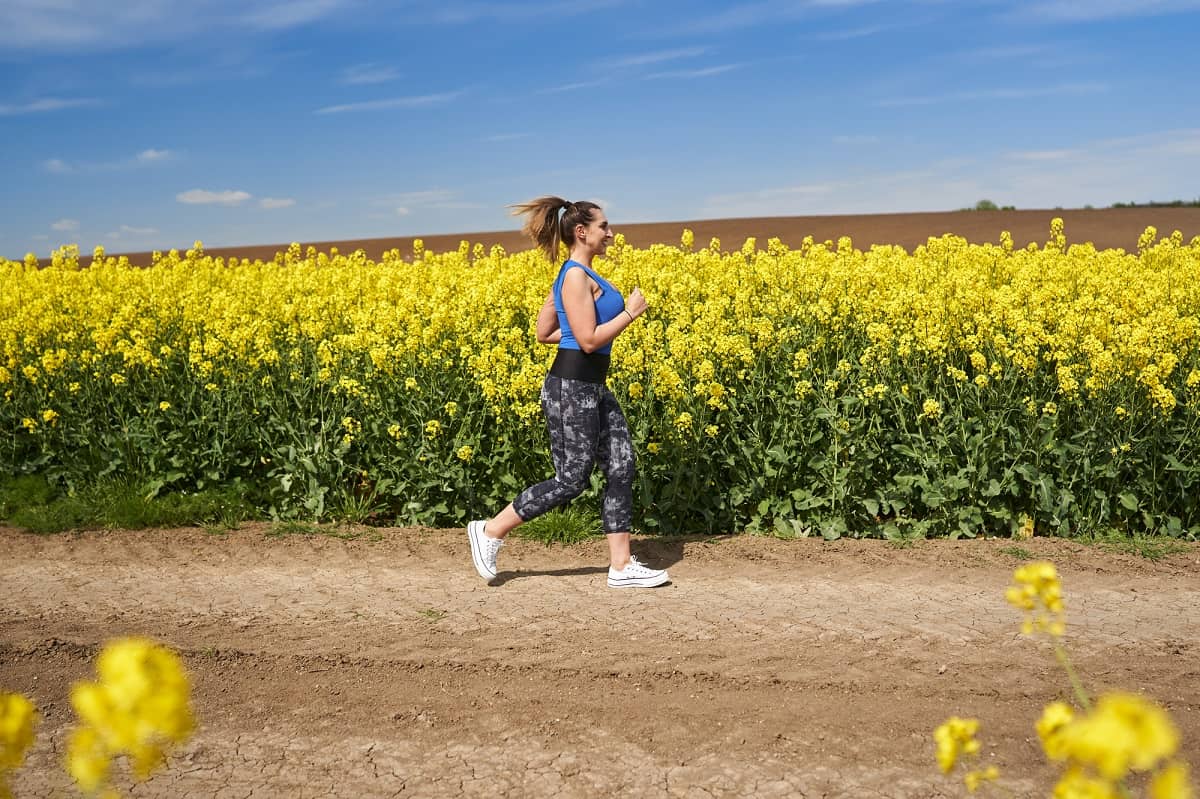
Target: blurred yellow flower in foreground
1038	591
139	706
17	717
954	738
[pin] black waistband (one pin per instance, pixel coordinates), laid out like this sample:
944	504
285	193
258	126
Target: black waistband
579	365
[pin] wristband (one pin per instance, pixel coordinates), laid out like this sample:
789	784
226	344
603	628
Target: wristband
627	313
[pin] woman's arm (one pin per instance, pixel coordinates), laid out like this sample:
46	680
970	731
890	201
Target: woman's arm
581	312
547	323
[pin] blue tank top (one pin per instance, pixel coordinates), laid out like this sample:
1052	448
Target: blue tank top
609	304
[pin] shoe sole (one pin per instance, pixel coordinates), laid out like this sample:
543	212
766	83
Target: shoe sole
639	582
474	535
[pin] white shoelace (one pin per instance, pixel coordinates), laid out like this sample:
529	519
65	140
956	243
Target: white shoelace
637	566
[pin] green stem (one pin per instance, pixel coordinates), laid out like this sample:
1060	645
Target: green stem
1060	652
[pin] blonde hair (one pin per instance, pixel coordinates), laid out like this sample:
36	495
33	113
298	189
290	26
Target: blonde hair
546	228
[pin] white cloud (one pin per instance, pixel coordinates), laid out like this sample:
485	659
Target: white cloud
72	25
1089	10
852	33
644	59
126	231
365	74
290	14
419	101
764	12
1019	93
145	158
1163	166
45	105
271	203
411	202
66	225
570	87
469	11
691	74
203	197
153	156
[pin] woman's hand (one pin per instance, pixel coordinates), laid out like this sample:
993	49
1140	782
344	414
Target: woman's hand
636	304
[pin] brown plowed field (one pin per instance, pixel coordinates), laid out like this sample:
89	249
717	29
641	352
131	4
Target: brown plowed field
1106	228
381	666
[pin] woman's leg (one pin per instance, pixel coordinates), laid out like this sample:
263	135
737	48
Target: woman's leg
618	462
572	419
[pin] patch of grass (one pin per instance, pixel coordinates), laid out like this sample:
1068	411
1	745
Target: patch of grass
293	527
356	508
1020	553
56	516
31	503
568	525
432	614
1146	546
27	490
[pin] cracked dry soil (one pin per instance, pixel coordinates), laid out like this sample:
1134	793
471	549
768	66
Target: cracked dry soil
382	666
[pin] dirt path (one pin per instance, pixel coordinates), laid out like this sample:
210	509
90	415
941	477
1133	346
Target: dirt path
382	666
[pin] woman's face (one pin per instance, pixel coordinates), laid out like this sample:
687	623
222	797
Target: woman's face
595	235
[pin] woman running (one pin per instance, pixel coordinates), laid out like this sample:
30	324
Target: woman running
582	314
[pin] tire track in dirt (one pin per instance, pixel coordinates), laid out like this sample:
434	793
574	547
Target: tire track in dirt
383	667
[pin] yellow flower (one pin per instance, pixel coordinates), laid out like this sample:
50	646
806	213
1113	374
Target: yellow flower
1049	409
451	408
711	430
29	424
1038	591
410	383
1125	732
635	390
164	406
139	705
1120	412
465	453
1172	782
88	760
1076	784
683	421
974	779
653	447
931	409
1055	718
117	379
433	428
17	719
955	737
50	416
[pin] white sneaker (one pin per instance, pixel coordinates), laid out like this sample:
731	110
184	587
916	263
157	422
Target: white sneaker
636	575
483	549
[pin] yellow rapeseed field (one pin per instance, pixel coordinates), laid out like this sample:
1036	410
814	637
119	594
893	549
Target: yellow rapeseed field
957	389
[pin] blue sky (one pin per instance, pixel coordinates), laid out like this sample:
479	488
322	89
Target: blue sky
140	124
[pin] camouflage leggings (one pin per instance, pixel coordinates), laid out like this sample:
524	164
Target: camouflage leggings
586	427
